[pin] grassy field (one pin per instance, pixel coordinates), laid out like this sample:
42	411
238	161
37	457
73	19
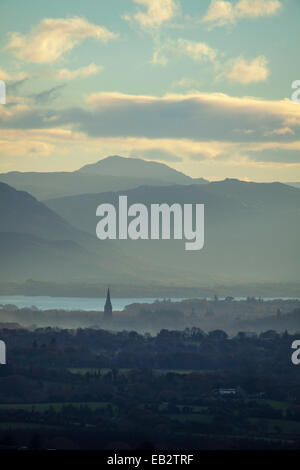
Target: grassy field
104	370
238	436
277	426
199	418
269	427
43	407
192	408
94	370
12	425
278	405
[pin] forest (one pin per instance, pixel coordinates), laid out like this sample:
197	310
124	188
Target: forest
99	389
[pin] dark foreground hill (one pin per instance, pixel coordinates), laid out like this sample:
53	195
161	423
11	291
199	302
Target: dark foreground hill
36	243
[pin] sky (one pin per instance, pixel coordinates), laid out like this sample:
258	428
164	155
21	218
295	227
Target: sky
204	87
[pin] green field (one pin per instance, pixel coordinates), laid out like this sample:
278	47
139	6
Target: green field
275	425
200	418
93	370
192	408
13	425
278	405
104	370
269	427
43	407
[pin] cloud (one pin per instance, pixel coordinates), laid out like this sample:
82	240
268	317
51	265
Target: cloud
14	86
281	131
47	95
25	148
186	82
193	115
15	110
156	154
197	51
245	72
276	155
221	12
53	37
67	74
256	8
12	77
157	12
12	100
4	75
69	140
208	126
218	156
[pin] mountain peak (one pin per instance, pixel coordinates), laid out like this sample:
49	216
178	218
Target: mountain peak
116	165
234	181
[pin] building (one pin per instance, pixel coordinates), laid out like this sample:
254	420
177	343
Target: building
222	392
237	392
108	306
227	391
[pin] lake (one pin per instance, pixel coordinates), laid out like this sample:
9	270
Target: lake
85	303
71	303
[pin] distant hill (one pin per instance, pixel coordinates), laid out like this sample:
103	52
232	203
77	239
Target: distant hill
252	233
36	243
229	200
135	167
110	174
295	185
278	322
21	212
26	256
252	230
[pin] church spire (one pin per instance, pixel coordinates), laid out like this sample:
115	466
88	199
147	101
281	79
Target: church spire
108	306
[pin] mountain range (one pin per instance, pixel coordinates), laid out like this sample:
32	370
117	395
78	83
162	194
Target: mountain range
110	174
251	229
36	243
